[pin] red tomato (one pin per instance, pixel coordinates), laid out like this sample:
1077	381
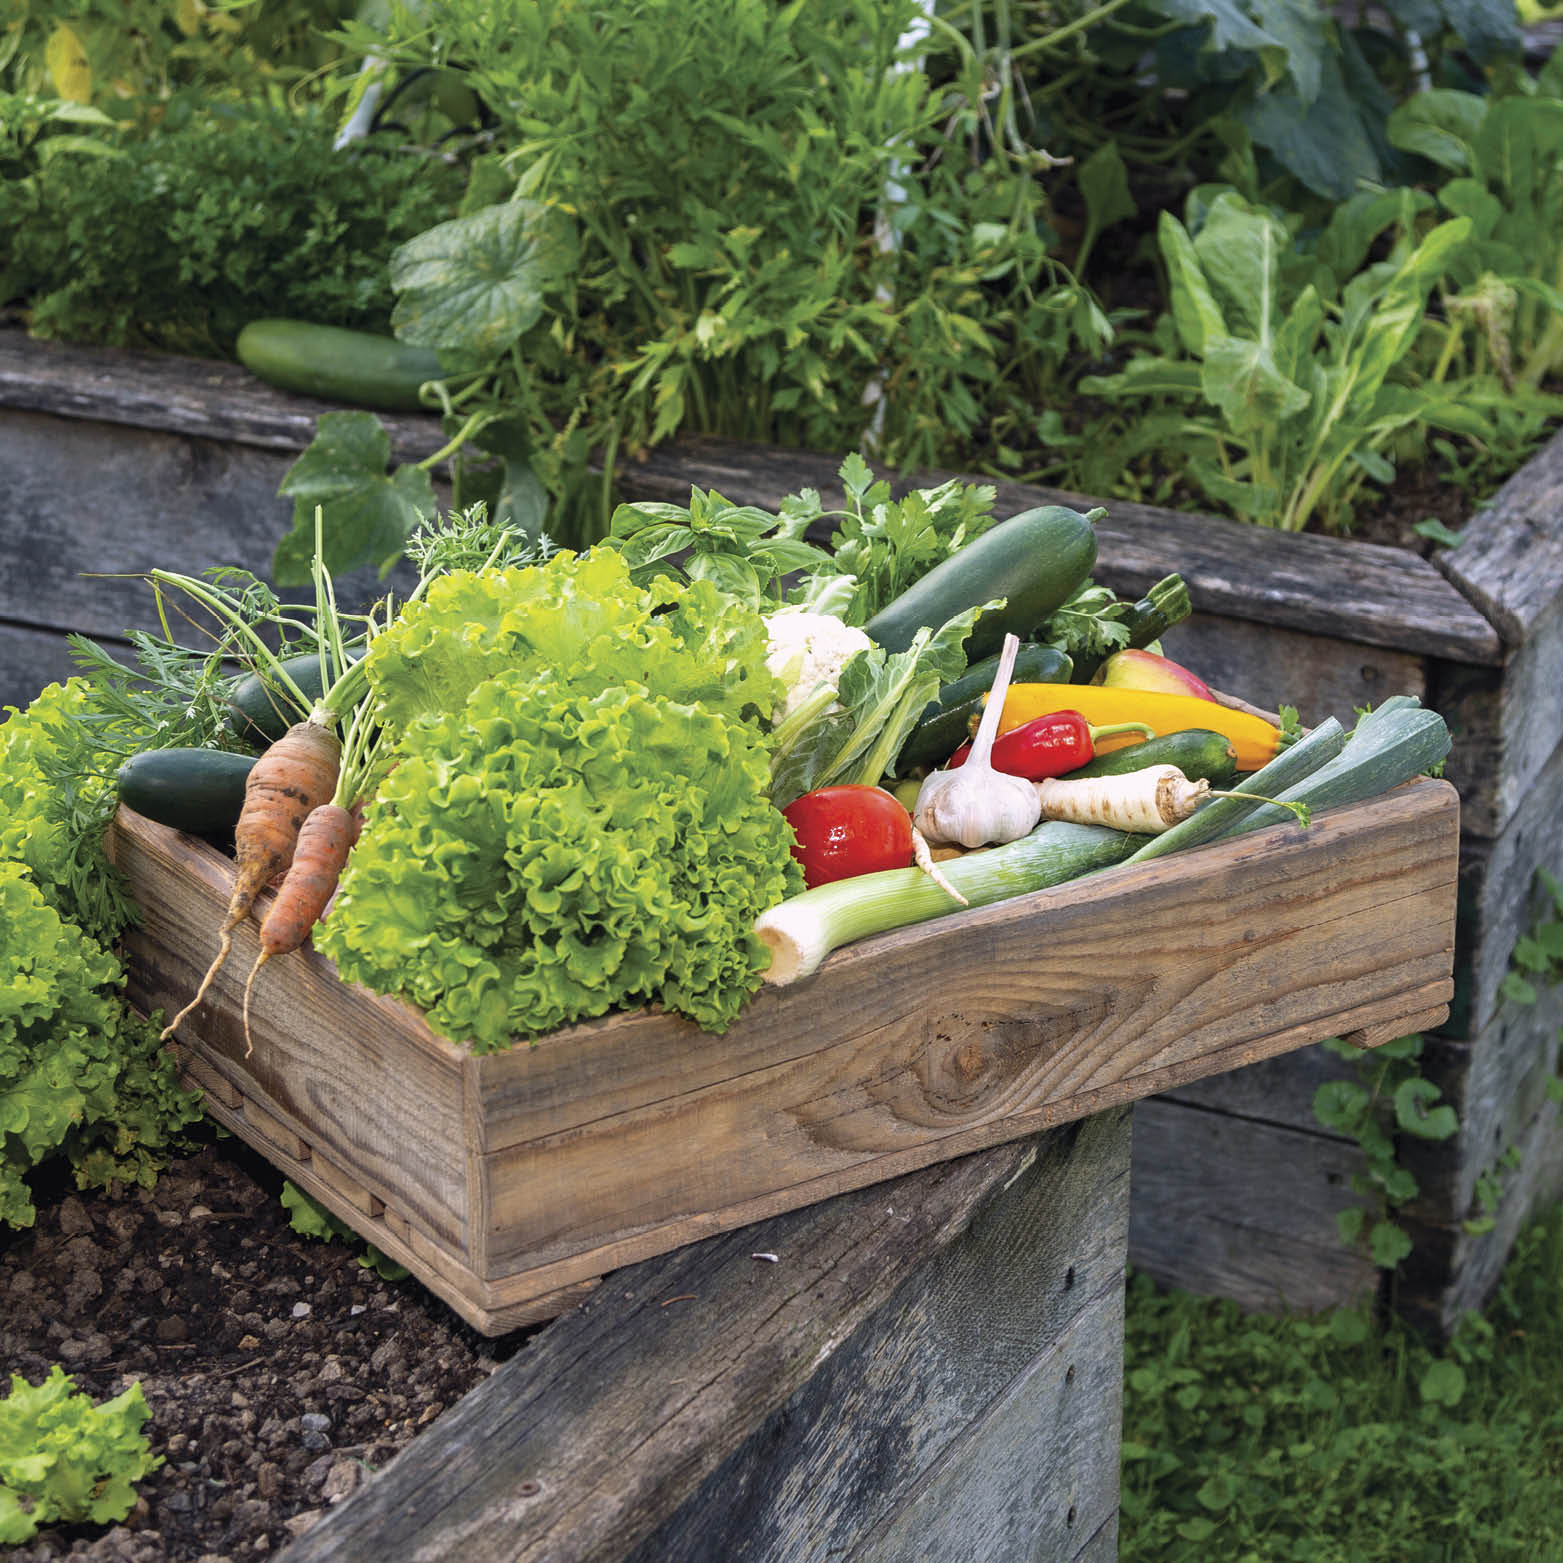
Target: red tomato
844	831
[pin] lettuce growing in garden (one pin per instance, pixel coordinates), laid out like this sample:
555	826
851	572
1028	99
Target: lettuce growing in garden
548	853
64	1458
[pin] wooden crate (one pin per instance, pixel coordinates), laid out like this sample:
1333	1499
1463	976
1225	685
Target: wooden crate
510	1183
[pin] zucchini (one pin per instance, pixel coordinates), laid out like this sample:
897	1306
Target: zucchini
337	364
197	790
260	714
1035	561
946	721
1196	751
1147	620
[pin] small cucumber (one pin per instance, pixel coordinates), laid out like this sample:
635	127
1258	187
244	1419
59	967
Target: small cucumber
198	790
260	714
1196	751
1034	561
337	364
944	724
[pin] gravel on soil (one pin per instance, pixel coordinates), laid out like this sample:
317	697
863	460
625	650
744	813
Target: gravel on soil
280	1372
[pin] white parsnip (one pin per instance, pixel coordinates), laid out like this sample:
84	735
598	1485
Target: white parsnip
1145	802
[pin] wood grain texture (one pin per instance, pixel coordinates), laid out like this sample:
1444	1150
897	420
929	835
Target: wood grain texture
90	507
1318	674
609	1421
1451	1271
196	397
1353	591
1509	561
1005	1351
389	1108
1499	898
1228	1207
541	1168
1506	727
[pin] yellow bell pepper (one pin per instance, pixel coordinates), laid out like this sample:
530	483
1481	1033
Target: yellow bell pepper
1257	741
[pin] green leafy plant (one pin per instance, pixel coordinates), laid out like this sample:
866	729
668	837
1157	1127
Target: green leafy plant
1537	956
1277	401
1336	1438
309	1218
178	240
64	1459
1390	1096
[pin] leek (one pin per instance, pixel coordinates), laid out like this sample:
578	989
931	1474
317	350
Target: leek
802	930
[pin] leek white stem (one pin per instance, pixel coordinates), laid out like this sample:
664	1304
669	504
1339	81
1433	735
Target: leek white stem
803	930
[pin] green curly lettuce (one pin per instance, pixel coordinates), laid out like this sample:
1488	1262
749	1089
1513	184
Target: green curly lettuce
580	614
546	855
80	1074
62	1458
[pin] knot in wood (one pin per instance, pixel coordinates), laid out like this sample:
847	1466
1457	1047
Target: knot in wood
970	1060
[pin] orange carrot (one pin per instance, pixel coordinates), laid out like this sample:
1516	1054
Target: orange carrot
324	840
293	777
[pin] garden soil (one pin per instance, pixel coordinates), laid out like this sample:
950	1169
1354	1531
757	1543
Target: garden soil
280	1372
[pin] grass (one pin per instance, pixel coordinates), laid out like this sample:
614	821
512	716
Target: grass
1336	1439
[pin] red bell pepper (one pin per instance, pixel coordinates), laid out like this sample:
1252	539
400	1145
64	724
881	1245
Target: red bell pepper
1050	745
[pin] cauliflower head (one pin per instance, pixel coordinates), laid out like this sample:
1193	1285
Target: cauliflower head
805	650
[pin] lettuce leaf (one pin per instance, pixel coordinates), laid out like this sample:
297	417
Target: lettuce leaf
549	853
580	614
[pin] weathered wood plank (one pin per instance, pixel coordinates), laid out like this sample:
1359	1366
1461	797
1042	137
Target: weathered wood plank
1006	1349
1498	896
1228	1207
1506	726
1278	1091
196	397
1497	1084
595	1433
1353	591
1450	1270
90	507
1318	674
1509	561
31	659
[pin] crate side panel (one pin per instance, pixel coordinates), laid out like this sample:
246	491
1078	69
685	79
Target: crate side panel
1227	1207
1035	1020
1389	862
349	1073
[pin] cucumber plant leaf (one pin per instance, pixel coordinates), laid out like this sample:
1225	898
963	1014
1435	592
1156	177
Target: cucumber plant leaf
367	512
470	287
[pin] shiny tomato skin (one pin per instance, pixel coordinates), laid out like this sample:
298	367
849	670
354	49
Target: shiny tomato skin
845	831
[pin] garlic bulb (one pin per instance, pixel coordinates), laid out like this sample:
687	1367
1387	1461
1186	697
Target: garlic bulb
975	805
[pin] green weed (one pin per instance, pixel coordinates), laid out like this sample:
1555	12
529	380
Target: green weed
1335	1439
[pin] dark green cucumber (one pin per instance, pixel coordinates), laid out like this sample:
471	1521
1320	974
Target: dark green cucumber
945	722
1034	561
337	364
260	714
198	790
1195	751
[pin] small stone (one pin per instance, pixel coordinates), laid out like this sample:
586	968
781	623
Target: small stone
342	1480
173	1328
268	1479
179	1502
239	1400
316	1441
73	1217
302	1310
197	1211
71	1349
315	1422
302	1524
249	1342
